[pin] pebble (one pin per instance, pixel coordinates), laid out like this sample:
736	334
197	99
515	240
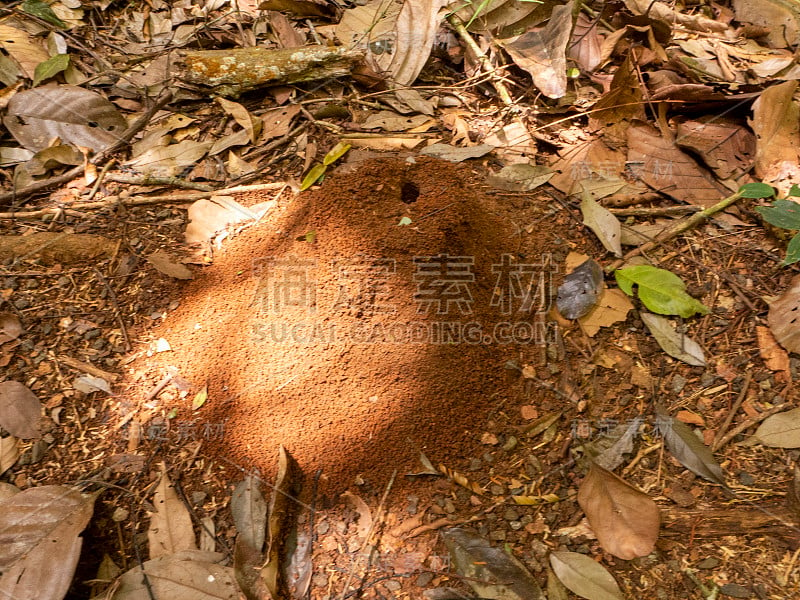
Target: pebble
708	563
511	515
424	579
497	535
392	585
734	590
497	489
320	579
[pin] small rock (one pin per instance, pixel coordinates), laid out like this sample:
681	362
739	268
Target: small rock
511	515
708	563
323	527
475	464
734	590
496	489
424	579
320	579
510	443
497	535
515	525
392	585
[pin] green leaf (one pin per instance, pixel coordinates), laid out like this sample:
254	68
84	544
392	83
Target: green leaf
313	176
200	398
404	221
794	191
50	68
756	190
792	251
40	9
335	153
783	213
660	291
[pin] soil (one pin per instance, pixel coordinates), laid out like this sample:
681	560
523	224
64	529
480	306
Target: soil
357	341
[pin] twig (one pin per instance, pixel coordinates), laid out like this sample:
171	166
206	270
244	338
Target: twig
87	368
123	140
750	422
675	231
172	198
502	91
117	311
654	211
732	413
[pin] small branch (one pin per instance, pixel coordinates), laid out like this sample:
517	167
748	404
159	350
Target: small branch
172	198
502	91
732	413
675	231
654	212
167	181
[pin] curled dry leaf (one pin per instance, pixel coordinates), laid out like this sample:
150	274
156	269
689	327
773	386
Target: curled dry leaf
674	343
167	265
20	410
625	520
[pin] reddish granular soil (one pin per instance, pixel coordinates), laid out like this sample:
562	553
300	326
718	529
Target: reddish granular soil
356	341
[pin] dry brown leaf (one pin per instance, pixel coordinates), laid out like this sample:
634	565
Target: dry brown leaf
612	307
625	520
663	166
21	47
615	110
10	327
542	53
170	528
775	123
779	19
726	147
20	410
164	263
784	317
775	357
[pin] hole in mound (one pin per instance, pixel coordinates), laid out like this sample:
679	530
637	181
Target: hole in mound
409	192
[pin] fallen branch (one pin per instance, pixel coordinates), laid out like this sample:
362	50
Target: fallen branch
231	72
143	201
675	231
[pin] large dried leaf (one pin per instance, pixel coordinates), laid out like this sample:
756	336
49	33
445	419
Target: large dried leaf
663	166
249	510
775	123
543	53
585	577
688	449
169	161
298	566
778	18
21	46
784	317
188	575
415	31
75	115
167	265
781	430
609	449
29	519
491	572
676	344
40	541
20	410
170	528
625	520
